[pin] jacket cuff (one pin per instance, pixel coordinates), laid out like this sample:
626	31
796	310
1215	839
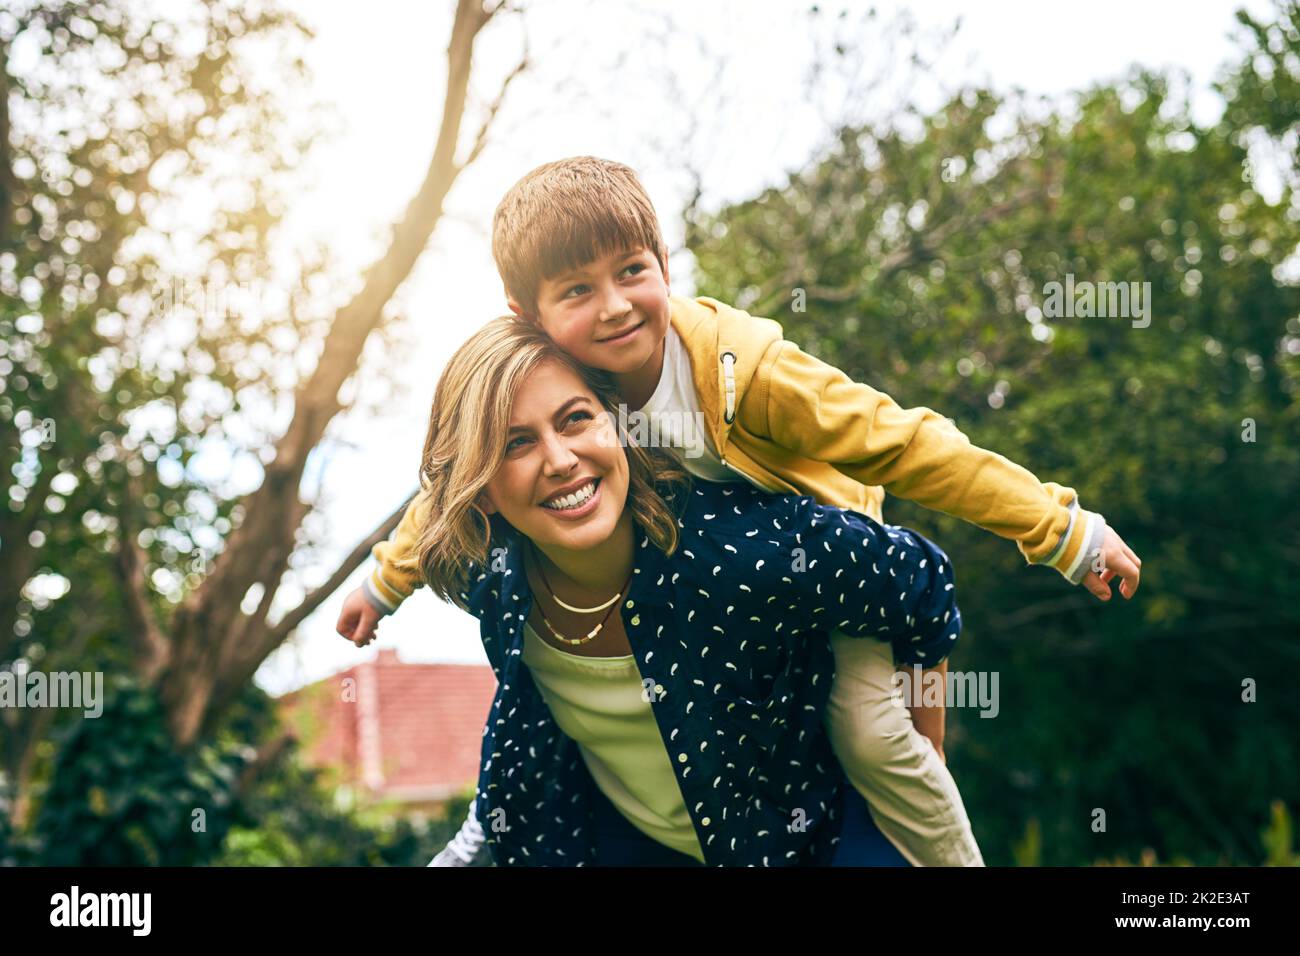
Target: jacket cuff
1093	533
375	596
1073	554
1054	559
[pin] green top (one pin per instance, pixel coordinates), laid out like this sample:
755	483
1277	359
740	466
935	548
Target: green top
602	703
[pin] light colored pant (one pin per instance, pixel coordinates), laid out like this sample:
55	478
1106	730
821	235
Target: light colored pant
912	795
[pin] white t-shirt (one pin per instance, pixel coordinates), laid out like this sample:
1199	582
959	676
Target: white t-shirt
672	419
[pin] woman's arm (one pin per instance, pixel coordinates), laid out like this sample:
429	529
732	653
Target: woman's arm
871	580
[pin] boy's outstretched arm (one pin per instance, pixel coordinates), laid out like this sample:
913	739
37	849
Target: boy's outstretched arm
394	578
358	618
397	575
816	411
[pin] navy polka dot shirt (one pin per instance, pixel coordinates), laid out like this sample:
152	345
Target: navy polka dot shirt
730	634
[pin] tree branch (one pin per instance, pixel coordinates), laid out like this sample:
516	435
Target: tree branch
480	138
316	597
6	162
316	401
152	650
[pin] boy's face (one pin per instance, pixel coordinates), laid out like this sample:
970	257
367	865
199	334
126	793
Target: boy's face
610	313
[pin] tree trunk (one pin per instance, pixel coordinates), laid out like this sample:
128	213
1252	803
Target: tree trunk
214	648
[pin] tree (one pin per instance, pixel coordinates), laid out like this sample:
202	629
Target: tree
918	256
144	161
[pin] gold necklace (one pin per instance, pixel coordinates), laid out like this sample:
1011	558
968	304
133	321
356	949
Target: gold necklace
569	607
611	604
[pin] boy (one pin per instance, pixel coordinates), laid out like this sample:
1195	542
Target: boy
579	249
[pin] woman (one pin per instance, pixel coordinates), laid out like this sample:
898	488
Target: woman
660	648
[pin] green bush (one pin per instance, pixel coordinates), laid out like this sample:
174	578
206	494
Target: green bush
122	795
294	820
917	257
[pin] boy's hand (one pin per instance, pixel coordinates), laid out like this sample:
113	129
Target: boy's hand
1114	558
358	618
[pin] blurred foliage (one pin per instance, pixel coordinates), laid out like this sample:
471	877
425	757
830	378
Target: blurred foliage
294	824
1279	838
138	308
1264	91
1276	838
922	251
10	853
299	815
1028	850
121	794
145	169
145	325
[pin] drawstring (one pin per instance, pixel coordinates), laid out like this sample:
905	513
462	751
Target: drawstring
729	384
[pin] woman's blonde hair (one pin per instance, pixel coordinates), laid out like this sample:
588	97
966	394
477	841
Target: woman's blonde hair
465	446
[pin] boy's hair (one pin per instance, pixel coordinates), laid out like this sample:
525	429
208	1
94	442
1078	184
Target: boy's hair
465	443
565	214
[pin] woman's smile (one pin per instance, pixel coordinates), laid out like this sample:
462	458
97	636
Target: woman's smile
572	505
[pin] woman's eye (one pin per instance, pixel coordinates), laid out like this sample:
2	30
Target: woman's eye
577	416
514	443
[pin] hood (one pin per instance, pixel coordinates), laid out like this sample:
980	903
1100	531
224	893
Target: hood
726	348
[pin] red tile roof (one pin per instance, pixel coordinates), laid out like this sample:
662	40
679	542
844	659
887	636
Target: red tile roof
403	731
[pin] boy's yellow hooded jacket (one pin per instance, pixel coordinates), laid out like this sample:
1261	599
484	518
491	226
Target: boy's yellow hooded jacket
796	425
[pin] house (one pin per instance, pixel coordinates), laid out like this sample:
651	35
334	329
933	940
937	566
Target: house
396	731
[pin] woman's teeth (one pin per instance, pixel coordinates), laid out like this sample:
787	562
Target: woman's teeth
569	502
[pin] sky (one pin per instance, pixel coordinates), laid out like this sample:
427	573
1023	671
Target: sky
713	85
